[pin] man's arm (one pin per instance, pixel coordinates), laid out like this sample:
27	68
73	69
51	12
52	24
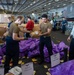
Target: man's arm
71	35
15	37
15	34
24	30
49	29
46	33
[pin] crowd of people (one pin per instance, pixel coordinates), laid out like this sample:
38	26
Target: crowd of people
12	38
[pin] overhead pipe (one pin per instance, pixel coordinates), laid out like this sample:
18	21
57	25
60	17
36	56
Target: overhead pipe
37	5
21	5
15	5
7	5
46	6
3	6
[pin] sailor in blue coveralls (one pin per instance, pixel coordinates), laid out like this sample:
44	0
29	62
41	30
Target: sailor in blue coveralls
64	23
55	24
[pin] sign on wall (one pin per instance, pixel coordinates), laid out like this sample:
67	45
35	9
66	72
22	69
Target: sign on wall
4	18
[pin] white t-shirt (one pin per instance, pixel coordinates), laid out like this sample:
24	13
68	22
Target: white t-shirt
72	32
51	22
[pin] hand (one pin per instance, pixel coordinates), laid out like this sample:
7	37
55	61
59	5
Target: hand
68	39
5	27
25	30
3	38
25	38
29	31
40	34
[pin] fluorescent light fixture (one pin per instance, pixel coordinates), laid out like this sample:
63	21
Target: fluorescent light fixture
28	6
56	0
34	2
31	4
33	14
72	2
58	6
15	0
44	5
15	3
49	3
64	4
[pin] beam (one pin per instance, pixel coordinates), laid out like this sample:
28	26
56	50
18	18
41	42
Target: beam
35	5
12	6
28	4
7	5
3	6
21	5
17	5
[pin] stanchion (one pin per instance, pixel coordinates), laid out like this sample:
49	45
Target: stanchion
65	54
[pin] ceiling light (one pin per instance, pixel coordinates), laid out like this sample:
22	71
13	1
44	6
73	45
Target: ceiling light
72	2
34	2
49	3
15	3
58	6
28	6
15	0
31	4
33	14
64	4
44	5
56	0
